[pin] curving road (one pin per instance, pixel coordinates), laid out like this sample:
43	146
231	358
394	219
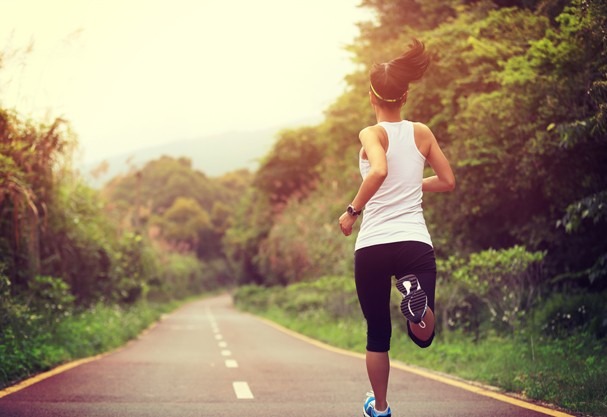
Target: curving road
207	359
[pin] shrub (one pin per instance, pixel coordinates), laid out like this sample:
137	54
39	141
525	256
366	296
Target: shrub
51	297
495	288
331	297
564	314
251	298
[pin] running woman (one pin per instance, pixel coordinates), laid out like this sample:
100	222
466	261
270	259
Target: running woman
393	239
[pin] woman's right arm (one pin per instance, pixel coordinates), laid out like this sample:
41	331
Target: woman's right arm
444	180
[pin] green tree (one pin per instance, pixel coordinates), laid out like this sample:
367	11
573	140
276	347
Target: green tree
185	223
289	170
181	208
30	154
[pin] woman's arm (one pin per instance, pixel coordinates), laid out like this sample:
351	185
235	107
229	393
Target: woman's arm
444	180
376	154
370	139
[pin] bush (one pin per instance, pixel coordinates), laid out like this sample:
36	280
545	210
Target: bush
133	265
330	297
326	309
492	289
305	243
253	298
565	314
50	297
32	343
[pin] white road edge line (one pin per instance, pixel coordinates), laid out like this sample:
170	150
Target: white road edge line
242	390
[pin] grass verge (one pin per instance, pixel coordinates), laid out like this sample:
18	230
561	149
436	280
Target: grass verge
34	343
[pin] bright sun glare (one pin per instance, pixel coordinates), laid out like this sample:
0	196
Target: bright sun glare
130	74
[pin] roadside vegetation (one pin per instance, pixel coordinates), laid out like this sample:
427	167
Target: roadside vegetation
516	94
45	329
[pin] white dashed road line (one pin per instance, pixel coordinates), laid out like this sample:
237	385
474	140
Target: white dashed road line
242	390
231	363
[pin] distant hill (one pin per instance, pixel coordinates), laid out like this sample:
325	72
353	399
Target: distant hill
214	155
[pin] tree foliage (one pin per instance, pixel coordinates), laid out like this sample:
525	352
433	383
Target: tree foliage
54	225
29	157
176	204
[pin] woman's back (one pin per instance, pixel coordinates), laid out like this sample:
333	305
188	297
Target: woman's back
395	212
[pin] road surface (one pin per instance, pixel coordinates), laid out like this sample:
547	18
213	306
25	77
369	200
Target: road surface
208	359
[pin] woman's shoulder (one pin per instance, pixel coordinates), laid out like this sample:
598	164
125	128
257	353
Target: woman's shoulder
372	128
376	130
423	137
422	131
374	134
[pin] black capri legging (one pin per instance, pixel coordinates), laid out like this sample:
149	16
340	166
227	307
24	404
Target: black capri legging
374	267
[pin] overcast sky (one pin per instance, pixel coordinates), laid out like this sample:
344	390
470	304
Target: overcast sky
133	73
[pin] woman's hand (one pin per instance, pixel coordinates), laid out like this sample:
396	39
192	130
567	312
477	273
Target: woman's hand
346	221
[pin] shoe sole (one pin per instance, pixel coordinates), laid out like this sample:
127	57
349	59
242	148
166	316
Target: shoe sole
415	301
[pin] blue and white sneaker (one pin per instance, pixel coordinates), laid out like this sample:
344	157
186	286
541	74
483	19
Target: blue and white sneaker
369	408
415	301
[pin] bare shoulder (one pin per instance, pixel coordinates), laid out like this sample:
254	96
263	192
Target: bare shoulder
422	131
424	138
375	130
372	135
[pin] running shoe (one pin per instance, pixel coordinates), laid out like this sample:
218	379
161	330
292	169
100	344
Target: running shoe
369	408
415	301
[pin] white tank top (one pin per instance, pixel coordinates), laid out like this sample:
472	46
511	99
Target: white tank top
394	213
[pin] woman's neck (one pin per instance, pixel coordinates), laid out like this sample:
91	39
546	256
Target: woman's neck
387	115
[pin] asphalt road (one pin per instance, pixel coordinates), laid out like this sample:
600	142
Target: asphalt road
207	359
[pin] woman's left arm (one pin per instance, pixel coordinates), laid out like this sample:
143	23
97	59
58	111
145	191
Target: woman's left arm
370	138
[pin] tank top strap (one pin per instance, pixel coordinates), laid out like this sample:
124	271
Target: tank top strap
401	136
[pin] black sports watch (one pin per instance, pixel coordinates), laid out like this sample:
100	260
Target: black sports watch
352	211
